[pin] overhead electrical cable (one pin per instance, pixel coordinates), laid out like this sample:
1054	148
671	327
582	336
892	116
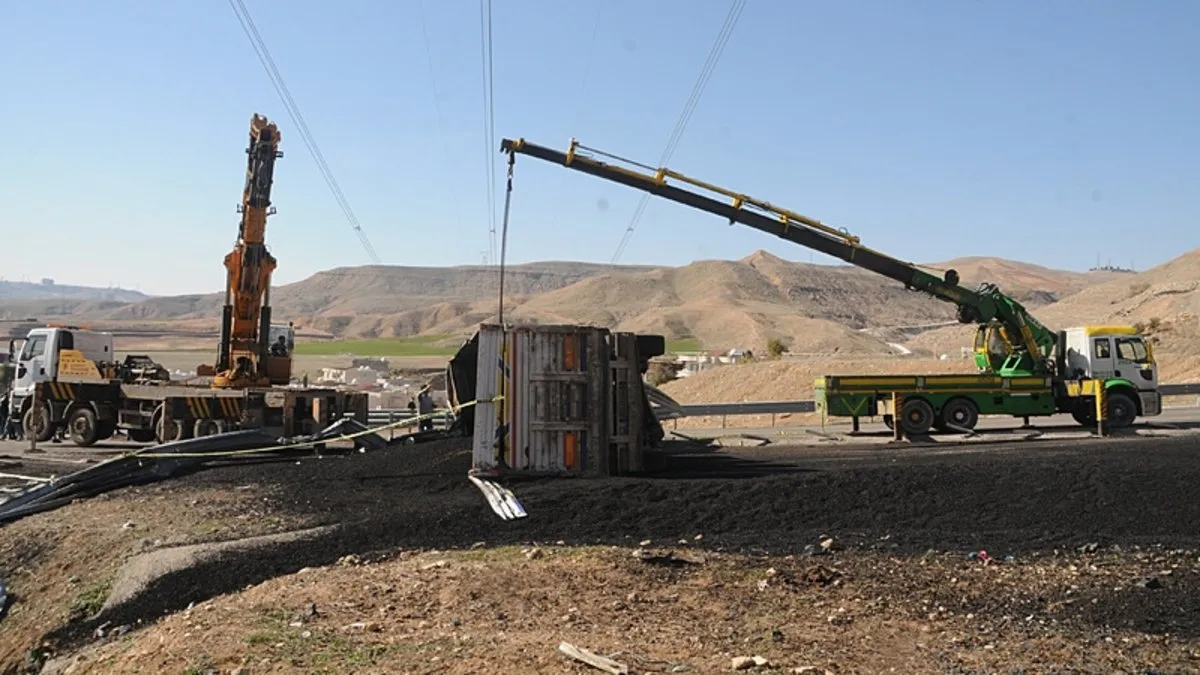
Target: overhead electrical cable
293	110
489	119
437	103
710	64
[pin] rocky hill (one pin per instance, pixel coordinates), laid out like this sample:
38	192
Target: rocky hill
1165	299
723	304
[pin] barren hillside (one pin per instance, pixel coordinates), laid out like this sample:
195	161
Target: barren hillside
723	304
1163	292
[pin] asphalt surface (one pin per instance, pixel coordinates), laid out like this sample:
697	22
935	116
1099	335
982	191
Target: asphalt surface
1185	417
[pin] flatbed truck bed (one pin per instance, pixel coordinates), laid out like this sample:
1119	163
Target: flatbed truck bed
957	401
93	410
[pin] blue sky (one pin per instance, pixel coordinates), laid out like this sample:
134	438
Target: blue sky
1049	132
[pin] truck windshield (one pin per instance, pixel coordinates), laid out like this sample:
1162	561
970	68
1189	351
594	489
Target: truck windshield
1132	349
36	346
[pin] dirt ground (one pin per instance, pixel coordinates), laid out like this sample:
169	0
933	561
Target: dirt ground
1103	574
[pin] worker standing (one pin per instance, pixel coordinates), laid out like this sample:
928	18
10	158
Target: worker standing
425	408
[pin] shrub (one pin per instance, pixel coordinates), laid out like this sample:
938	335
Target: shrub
776	348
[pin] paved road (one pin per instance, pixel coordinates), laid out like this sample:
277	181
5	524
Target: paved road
1185	420
61	458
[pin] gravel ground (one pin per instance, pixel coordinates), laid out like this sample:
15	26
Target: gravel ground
1024	500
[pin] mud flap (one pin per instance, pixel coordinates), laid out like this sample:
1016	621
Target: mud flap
501	499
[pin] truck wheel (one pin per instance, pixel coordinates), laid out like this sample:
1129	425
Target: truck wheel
81	424
1085	414
105	430
165	428
207	428
38	426
960	412
916	417
141	435
1122	410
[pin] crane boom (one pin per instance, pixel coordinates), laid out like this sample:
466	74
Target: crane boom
1029	343
246	317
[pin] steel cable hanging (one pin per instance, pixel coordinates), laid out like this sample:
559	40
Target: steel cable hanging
710	64
268	63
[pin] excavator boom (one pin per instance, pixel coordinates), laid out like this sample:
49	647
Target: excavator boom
984	306
243	355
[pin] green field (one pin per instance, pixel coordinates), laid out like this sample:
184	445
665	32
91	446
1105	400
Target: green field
684	345
425	345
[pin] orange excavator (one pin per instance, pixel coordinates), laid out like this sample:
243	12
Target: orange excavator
252	353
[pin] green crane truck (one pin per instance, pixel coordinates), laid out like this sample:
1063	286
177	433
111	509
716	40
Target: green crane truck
1024	369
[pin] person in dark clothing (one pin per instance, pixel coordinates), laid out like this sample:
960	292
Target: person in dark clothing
425	408
280	347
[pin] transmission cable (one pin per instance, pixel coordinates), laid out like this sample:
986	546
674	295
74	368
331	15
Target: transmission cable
489	118
293	110
437	103
710	64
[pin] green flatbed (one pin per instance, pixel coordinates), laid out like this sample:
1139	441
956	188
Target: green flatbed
934	401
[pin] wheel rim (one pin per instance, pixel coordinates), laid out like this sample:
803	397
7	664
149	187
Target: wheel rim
80	426
918	418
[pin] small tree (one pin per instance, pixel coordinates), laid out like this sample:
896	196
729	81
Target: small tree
661	372
776	348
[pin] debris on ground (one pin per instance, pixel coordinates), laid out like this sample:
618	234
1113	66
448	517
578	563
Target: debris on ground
594	660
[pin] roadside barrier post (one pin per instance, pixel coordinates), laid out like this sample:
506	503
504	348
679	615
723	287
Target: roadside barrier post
1101	409
897	420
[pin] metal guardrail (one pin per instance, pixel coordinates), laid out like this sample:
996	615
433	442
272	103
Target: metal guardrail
1180	389
380	417
385	416
748	408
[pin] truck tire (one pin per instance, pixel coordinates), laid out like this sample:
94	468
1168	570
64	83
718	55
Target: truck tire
166	430
916	417
81	425
1122	410
208	428
1085	413
40	429
960	412
141	435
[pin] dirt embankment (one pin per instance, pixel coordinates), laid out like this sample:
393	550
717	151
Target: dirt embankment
888	505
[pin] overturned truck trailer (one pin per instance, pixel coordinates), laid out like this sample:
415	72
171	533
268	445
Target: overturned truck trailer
570	399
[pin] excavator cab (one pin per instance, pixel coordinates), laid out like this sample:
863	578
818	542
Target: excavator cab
278	364
992	347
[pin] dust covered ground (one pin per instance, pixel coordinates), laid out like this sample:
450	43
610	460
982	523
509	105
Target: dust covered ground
1093	547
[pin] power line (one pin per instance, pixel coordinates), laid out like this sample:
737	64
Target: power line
489	117
268	63
710	65
438	107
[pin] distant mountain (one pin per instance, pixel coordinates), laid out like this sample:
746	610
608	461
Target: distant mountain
27	291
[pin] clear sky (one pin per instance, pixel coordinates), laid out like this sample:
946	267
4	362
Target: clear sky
1053	132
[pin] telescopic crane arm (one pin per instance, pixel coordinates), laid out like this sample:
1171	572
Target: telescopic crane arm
246	316
1029	342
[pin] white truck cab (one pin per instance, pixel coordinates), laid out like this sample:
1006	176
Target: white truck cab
51	352
1115	353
